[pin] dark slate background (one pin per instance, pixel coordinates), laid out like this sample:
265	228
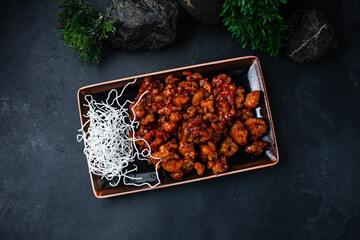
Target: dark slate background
45	193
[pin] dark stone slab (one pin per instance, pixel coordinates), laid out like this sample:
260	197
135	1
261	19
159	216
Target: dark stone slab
205	11
45	190
311	38
145	24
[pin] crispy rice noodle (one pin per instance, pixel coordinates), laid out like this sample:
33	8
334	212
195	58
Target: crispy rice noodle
110	140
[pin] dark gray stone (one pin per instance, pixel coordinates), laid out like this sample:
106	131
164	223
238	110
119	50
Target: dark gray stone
312	36
145	24
45	189
205	11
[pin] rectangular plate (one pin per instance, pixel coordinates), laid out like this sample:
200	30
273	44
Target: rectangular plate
244	71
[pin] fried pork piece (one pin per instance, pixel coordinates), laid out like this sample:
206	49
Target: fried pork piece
239	133
179	116
227	95
210	117
218	166
147	85
177	176
172	165
154	145
190	112
256	147
207	106
257	128
145	133
149	118
188	86
170	160
228	147
220	83
171	79
167	151
139	109
188	165
252	99
181	99
170	126
225	111
244	114
204	83
196	130
175	117
192	76
198	97
220	129
187	149
208	151
169	90
239	97
200	168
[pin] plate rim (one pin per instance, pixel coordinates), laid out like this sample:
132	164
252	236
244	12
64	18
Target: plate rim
273	162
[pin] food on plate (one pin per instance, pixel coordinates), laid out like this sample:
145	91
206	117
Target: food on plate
110	142
256	147
197	123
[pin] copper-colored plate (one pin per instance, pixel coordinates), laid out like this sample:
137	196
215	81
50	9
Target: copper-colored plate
238	69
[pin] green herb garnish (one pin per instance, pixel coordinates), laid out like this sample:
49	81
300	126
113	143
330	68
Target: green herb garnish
83	28
256	23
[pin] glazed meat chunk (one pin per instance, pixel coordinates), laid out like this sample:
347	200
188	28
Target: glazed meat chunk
208	151
188	165
149	118
197	98
175	117
256	147
192	76
239	133
177	176
172	165
239	97
193	124
218	166
228	147
252	99
187	149
257	128
139	109
200	168
244	114
207	105
170	126
180	100
167	151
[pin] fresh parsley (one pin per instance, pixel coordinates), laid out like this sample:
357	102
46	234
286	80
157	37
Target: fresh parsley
256	23
83	28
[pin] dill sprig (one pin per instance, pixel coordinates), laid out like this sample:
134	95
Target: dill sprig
256	23
83	28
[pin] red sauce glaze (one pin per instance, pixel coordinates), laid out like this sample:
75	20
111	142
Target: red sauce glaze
191	119
257	128
252	99
256	147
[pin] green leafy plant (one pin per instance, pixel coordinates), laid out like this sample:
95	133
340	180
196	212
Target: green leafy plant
83	28
256	23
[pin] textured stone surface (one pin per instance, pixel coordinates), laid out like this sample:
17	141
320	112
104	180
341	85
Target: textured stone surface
312	36
143	24
205	11
45	192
